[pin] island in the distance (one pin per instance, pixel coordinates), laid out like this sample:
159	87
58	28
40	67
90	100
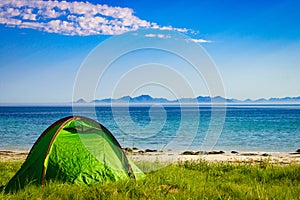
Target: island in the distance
147	99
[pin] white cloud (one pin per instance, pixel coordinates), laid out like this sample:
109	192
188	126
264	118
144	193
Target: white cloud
163	36
29	16
74	18
199	40
166	36
150	35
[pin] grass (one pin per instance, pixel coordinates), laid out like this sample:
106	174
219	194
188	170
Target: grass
185	180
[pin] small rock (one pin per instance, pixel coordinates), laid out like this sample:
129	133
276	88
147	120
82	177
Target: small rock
265	154
129	150
134	148
141	152
298	150
187	153
191	153
216	152
234	152
150	150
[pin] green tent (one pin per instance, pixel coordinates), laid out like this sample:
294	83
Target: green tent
76	150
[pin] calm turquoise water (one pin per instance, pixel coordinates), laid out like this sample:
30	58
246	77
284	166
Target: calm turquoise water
251	128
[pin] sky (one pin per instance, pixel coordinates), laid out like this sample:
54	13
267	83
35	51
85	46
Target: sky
255	45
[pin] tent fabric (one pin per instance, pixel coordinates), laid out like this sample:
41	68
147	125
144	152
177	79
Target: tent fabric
76	150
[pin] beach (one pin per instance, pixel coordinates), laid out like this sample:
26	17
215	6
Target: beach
219	156
170	157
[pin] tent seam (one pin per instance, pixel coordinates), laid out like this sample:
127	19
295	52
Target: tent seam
68	119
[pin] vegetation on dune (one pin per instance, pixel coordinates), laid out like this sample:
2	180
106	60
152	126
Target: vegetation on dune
184	180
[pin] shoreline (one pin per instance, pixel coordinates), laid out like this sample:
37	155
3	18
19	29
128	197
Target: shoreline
169	157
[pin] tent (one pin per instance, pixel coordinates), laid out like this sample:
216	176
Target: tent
77	150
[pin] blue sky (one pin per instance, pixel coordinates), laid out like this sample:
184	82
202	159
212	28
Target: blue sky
255	45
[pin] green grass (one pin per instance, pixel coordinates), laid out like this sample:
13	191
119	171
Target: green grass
186	180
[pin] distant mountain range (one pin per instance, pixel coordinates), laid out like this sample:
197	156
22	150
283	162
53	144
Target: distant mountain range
147	99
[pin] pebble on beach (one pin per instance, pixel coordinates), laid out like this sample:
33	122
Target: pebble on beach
265	154
150	150
191	153
216	152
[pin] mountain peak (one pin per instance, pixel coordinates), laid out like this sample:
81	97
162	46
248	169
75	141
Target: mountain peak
80	101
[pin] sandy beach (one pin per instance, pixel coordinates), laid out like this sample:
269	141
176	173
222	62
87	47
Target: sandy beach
169	157
240	157
12	155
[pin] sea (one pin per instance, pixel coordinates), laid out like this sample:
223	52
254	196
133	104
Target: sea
269	128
